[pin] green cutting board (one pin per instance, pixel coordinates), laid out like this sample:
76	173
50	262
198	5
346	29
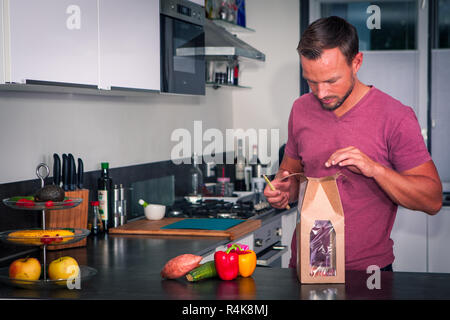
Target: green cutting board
204	224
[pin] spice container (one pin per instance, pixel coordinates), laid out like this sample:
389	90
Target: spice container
221	186
123	206
97	225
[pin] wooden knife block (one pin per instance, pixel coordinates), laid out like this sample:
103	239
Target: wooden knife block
70	218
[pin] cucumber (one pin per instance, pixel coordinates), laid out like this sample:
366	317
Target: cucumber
203	271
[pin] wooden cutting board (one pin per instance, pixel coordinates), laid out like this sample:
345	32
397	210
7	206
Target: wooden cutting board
153	227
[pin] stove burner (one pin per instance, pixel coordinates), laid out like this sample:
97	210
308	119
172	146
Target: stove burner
226	215
213	208
176	213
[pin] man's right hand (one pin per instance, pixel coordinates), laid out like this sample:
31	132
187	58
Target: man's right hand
279	198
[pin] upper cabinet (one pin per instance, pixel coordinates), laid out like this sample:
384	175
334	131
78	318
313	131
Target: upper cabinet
53	40
2	52
129	42
104	43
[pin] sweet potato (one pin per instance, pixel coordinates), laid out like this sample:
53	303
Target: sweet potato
180	265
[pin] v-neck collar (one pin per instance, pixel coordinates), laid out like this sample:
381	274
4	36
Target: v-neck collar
355	107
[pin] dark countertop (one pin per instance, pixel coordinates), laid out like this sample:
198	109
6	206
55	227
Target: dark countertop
129	268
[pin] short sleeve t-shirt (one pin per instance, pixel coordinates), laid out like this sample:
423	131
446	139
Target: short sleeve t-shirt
385	130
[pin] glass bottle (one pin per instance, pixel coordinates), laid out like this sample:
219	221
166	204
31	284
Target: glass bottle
223	10
97	226
255	163
239	161
104	184
196	178
232	11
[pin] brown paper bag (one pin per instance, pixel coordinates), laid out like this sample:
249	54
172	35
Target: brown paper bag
320	232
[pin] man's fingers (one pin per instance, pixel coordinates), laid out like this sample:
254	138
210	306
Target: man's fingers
275	201
270	194
278	202
341	155
278	198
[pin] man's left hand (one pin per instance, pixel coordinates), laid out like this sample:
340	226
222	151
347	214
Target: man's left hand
355	160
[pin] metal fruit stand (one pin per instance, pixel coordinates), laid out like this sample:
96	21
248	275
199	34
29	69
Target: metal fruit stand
44	241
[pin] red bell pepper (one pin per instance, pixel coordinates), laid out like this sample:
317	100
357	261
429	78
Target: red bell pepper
227	263
68	202
25	202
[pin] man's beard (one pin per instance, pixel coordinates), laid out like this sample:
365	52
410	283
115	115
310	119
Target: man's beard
340	101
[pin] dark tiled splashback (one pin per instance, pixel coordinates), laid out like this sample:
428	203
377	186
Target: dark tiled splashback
127	176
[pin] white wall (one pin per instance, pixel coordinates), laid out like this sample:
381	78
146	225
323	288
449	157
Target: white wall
121	130
133	130
275	83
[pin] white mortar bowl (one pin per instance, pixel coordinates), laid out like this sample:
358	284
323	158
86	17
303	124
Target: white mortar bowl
155	211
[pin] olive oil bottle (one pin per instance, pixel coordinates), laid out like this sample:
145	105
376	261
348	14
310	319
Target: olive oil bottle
104	184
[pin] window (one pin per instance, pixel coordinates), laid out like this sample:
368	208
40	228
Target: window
381	25
444	24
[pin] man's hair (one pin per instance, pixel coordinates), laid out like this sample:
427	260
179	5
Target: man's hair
329	33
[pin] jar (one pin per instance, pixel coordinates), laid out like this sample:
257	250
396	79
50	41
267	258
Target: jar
221	186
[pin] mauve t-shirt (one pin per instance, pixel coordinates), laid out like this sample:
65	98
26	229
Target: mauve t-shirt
385	130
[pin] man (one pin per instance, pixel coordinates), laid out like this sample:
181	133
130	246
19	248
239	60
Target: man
373	139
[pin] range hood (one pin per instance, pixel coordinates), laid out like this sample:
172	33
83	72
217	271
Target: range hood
220	42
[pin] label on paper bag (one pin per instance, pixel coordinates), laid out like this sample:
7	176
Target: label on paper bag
322	246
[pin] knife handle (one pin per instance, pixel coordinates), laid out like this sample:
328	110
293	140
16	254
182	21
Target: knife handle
56	169
80	173
72	173
65	172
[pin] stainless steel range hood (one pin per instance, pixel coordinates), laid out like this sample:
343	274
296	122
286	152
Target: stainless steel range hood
220	42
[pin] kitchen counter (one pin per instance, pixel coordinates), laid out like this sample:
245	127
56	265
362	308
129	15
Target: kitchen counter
129	268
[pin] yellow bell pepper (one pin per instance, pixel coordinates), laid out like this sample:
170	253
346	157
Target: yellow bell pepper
247	262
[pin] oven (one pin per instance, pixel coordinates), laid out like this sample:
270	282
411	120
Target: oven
267	243
182	37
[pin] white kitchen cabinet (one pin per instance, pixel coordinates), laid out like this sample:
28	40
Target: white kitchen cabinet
53	40
129	42
2	36
410	241
438	241
288	223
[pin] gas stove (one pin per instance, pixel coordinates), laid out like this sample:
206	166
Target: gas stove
249	207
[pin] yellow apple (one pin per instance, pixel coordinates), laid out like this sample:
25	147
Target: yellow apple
63	268
25	269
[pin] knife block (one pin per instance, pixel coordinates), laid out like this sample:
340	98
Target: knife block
70	218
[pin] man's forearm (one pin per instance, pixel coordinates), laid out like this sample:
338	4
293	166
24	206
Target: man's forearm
416	192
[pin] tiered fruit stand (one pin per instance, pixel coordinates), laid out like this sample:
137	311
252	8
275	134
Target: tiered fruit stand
42	240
